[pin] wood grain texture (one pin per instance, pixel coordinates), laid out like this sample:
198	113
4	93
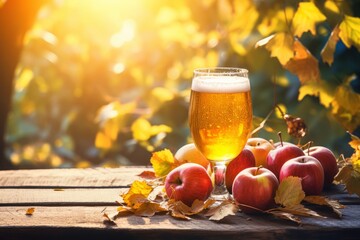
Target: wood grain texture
84	220
64	178
61	197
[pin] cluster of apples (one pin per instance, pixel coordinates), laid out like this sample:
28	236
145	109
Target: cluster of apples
254	175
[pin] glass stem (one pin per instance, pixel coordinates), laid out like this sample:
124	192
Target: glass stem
220	192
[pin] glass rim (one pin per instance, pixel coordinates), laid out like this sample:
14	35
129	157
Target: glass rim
229	71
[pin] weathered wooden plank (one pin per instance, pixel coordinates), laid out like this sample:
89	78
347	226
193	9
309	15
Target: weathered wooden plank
91	197
62	178
85	222
61	197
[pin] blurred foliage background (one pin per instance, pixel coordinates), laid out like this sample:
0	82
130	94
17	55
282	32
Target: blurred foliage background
105	83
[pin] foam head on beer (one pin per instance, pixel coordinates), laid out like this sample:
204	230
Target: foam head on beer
223	84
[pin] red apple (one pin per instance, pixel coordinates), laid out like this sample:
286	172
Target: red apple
310	171
188	182
255	187
244	160
328	161
281	154
260	147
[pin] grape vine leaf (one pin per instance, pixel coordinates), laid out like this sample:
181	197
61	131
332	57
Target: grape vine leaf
349	174
289	192
322	90
327	53
163	162
350	31
303	64
280	45
306	17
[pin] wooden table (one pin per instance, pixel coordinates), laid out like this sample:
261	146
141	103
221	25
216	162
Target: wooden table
69	203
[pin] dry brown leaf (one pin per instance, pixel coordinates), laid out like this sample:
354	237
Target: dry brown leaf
148	175
303	64
324	201
286	216
148	209
108	220
327	53
300	210
30	211
224	209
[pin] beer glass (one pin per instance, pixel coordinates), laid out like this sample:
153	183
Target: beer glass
220	118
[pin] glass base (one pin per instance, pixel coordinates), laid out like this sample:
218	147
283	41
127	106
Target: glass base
220	192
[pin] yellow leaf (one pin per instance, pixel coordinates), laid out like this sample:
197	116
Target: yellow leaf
321	90
138	192
163	162
143	130
306	17
348	99
350	31
24	79
290	192
275	20
280	46
102	140
327	53
303	64
355	142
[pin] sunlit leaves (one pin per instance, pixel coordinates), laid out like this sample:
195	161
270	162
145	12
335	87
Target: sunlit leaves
322	90
349	174
143	130
280	45
350	31
303	64
163	162
306	18
110	119
327	53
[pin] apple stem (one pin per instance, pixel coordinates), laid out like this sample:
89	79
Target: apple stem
280	137
257	170
310	143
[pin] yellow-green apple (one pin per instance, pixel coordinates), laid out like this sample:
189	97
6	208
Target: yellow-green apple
260	147
281	154
189	153
310	171
188	182
255	187
328	161
244	160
